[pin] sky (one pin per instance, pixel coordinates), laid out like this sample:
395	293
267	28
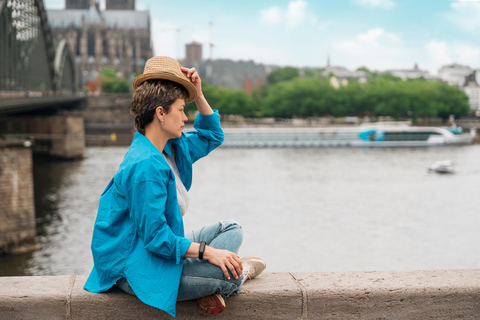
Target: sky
377	34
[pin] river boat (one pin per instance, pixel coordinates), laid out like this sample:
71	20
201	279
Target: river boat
442	167
379	134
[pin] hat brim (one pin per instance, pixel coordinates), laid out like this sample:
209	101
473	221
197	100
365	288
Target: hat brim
192	91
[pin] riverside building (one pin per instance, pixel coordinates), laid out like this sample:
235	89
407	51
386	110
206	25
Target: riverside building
117	38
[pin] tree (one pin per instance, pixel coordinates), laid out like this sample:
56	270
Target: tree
111	83
228	101
282	74
298	97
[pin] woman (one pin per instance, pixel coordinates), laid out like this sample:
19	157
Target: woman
138	239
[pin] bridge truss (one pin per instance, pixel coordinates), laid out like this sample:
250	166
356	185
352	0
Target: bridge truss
29	63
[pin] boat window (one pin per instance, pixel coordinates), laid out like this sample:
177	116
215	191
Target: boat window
409	136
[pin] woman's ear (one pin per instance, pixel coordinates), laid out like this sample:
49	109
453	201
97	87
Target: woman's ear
160	113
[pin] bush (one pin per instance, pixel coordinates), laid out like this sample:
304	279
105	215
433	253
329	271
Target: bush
115	85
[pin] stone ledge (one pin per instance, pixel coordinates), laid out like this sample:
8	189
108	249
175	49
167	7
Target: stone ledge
439	294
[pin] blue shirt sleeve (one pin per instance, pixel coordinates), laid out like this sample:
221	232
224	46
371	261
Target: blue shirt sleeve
148	199
208	135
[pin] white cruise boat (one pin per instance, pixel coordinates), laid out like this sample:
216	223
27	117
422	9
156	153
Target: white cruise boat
380	134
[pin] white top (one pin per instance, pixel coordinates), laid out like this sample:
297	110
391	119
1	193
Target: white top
182	193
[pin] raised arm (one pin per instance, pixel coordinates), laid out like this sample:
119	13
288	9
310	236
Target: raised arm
201	103
208	134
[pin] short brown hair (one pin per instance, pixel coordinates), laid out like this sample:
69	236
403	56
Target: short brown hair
152	94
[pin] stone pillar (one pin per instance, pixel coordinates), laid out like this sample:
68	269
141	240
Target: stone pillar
98	49
68	134
129	64
112	47
137	55
84	45
17	210
59	136
121	52
72	41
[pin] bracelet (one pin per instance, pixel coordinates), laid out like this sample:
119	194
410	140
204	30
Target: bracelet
201	250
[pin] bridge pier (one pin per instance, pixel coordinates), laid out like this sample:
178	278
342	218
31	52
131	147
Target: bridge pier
17	211
57	136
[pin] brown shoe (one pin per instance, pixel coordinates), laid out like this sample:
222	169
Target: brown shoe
212	304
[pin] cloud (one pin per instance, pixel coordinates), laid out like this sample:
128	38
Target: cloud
296	13
378	37
440	53
293	15
437	52
465	15
385	4
373	39
468	55
377	49
272	15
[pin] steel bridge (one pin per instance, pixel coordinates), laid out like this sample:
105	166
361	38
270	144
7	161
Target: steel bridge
34	75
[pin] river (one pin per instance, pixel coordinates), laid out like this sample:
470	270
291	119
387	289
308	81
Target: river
324	209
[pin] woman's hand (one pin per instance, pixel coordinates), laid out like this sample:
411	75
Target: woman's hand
224	259
201	103
192	74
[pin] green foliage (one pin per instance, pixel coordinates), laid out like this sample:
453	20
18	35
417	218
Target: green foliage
115	85
228	101
111	83
364	69
108	73
282	74
382	95
299	97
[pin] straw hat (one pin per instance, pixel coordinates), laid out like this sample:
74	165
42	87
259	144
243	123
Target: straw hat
168	69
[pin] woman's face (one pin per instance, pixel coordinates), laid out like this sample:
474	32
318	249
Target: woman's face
174	120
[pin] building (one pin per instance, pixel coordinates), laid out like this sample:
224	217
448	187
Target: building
413	73
193	53
117	38
120	4
245	75
454	73
465	78
471	87
77	4
340	75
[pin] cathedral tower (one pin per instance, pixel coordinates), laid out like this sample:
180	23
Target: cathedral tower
120	4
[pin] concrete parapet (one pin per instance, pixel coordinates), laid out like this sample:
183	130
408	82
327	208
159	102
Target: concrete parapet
439	294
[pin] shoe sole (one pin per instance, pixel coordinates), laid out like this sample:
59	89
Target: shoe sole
219	304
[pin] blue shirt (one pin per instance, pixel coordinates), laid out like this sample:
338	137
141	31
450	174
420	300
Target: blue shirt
138	233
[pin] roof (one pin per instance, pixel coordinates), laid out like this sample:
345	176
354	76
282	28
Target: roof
114	19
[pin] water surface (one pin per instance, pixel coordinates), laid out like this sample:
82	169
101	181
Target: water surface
301	209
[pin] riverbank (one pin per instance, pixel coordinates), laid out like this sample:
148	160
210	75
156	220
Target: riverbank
436	294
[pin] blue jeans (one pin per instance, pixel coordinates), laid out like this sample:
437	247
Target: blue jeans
200	278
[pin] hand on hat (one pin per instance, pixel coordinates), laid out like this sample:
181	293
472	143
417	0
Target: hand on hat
192	74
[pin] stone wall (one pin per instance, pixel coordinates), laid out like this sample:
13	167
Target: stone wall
108	121
17	211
